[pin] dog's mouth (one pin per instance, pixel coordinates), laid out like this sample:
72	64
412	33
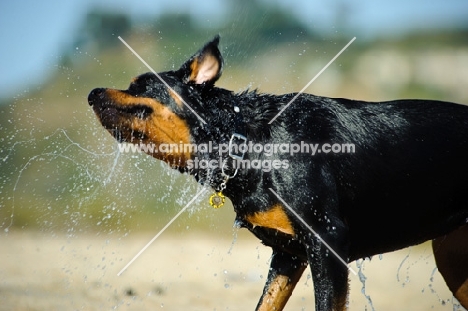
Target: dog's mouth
141	121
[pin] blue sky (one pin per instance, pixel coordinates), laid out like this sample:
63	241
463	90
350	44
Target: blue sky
33	33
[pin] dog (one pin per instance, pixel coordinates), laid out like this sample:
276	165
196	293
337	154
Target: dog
405	181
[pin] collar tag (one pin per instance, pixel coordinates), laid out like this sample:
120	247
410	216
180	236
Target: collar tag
217	200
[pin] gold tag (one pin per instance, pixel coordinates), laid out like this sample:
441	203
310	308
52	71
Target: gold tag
217	200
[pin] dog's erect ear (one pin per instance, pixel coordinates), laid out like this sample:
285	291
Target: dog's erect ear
205	66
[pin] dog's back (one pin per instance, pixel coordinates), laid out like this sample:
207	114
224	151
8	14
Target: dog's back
407	180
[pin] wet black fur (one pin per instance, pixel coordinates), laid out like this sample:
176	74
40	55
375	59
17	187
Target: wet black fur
406	183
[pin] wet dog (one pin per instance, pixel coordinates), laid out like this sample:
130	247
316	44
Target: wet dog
400	179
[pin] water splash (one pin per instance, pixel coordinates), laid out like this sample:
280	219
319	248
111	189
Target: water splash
362	279
399	268
235	235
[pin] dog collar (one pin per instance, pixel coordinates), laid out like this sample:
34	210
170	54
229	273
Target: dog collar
238	139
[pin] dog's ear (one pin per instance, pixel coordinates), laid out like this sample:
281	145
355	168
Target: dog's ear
205	67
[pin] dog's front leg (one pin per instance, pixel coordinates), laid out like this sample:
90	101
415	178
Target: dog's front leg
285	271
330	276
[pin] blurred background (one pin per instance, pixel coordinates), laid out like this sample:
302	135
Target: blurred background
61	173
61	170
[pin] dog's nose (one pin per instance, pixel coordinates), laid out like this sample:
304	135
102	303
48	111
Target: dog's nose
95	95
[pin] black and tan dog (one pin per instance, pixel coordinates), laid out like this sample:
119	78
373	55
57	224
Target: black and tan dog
405	182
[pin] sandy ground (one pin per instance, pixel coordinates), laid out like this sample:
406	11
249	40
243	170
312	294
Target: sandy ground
190	272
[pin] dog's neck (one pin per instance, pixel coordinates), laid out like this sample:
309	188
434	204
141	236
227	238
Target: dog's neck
232	119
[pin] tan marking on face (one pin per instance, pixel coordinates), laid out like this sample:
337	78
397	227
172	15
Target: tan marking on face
274	218
162	127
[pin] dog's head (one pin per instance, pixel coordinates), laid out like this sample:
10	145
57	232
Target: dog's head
159	109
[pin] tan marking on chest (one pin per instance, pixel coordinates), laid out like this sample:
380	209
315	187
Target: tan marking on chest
274	218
